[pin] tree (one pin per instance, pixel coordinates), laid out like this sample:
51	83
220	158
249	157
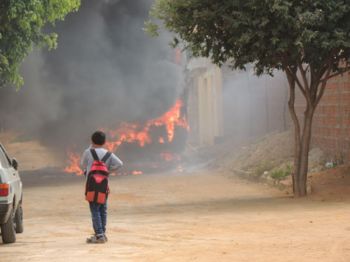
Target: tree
309	40
22	24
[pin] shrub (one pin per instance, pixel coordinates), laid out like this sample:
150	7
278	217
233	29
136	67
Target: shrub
281	174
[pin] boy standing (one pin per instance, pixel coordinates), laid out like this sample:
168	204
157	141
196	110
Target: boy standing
112	163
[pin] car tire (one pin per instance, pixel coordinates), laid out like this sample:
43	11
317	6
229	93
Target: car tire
19	219
8	230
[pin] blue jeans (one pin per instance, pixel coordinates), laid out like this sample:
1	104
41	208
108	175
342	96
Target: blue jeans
99	218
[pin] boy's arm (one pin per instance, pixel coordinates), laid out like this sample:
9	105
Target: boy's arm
115	163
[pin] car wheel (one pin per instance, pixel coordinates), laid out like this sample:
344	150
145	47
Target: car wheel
8	230
19	219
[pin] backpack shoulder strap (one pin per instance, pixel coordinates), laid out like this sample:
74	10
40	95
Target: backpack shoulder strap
94	154
106	156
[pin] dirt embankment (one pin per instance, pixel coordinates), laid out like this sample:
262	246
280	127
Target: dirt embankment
30	154
270	160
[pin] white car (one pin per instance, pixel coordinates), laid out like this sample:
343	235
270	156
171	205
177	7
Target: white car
11	213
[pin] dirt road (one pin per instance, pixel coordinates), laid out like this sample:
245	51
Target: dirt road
202	216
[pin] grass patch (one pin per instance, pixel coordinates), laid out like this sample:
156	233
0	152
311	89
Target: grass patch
262	167
281	174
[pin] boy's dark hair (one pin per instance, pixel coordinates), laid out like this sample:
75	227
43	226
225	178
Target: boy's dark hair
98	138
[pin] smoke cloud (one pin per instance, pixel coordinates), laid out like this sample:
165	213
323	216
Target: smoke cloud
105	70
254	106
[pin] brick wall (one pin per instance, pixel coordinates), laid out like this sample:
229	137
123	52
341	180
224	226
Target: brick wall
331	126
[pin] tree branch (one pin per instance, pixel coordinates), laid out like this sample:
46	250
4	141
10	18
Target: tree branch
323	87
291	104
307	67
303	74
293	75
295	78
346	69
314	76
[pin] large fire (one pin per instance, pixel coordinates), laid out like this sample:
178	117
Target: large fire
140	134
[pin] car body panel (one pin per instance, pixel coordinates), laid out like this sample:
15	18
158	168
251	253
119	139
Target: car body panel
9	175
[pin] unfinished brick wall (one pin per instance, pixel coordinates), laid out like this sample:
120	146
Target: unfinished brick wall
331	126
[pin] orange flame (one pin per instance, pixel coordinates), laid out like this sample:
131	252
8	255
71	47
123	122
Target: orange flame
131	132
74	166
136	172
135	133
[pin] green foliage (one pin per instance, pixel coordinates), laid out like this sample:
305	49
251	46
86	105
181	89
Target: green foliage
22	23
262	167
271	34
280	174
151	28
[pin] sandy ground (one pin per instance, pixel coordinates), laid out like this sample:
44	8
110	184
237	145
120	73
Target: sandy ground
199	216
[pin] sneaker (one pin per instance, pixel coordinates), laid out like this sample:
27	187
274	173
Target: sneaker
96	240
106	238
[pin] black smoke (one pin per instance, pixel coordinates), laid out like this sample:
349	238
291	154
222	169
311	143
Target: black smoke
105	70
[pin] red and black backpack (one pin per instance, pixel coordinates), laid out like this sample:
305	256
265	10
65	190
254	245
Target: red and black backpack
97	190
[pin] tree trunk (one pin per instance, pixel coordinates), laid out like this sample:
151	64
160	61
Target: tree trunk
302	156
312	89
302	139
